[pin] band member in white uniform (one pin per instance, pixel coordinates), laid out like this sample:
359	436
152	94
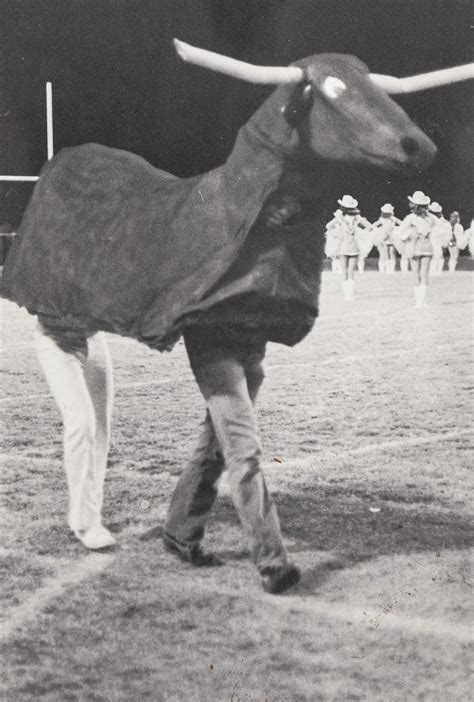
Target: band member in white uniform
404	259
384	228
355	235
439	237
469	234
457	240
415	232
78	370
332	248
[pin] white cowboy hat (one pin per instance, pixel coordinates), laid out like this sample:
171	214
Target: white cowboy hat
419	198
435	207
387	209
348	202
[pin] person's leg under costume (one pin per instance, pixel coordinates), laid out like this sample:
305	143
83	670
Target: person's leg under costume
229	383
82	386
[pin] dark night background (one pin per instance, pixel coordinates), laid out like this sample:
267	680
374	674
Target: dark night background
117	81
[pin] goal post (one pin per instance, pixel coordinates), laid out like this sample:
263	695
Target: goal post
49	138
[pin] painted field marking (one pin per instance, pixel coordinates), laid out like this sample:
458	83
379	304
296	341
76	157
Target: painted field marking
118	386
181	378
369	618
55	586
24	398
93	564
325	454
305	461
412	441
352	359
19	457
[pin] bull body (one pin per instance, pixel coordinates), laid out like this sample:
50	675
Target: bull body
110	242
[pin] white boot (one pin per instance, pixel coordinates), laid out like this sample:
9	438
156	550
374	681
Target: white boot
423	289
420	294
404	265
361	264
348	290
441	265
416	290
452	266
434	268
381	265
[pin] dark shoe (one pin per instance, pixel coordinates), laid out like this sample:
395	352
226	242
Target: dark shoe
153	533
191	553
279	578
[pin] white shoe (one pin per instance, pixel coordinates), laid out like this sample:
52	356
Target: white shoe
96	537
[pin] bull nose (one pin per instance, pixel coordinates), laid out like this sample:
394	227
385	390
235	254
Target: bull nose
409	145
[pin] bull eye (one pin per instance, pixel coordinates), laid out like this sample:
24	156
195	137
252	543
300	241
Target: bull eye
409	145
333	87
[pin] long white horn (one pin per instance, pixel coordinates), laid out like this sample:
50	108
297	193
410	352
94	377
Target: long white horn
424	80
238	69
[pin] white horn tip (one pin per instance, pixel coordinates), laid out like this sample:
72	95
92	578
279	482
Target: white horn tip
180	47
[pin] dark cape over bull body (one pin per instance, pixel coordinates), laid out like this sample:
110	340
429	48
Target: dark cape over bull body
109	242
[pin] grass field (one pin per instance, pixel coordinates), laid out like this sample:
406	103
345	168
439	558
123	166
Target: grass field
367	431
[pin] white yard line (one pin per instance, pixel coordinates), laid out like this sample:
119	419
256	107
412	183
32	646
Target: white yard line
305	461
68	576
164	381
358	616
24	398
322	455
74	573
184	375
20	457
354	359
119	386
412	441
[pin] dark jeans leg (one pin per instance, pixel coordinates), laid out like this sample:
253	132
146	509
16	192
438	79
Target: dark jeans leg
229	383
196	491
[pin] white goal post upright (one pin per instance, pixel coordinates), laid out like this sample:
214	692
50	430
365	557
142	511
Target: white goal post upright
49	120
49	137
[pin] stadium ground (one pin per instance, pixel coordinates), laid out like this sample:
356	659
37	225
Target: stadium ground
367	431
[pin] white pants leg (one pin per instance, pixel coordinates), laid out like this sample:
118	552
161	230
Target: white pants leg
83	390
99	379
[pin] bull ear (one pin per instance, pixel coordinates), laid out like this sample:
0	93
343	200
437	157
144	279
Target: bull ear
300	102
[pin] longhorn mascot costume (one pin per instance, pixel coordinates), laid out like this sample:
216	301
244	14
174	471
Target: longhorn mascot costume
110	243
